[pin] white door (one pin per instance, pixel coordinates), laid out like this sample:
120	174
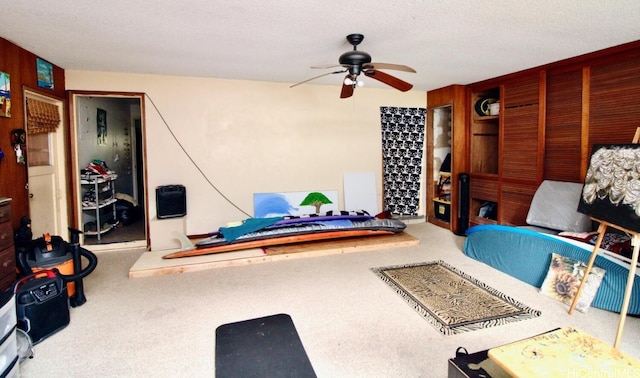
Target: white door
45	162
42	201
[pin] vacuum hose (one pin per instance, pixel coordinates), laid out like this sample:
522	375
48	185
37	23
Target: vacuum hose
78	298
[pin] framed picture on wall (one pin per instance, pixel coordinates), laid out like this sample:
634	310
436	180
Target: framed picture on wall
101	127
45	73
5	95
611	190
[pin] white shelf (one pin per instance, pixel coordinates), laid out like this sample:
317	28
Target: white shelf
102	185
102	204
98	179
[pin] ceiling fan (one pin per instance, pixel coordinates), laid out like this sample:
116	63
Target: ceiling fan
356	62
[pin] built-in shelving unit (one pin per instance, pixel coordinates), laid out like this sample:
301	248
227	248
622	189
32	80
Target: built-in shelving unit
484	155
446	136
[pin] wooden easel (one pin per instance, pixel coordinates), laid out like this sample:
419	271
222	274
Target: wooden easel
635	242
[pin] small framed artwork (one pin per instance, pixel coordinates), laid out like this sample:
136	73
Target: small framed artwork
101	127
5	94
45	73
611	191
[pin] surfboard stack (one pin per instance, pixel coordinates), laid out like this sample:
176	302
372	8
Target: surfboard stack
264	232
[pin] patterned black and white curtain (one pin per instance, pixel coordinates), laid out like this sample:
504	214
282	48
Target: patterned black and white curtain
403	131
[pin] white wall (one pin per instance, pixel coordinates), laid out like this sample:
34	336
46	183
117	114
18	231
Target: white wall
249	137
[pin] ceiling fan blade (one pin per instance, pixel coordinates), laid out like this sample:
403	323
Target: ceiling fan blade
388	66
332	65
317	77
393	81
347	90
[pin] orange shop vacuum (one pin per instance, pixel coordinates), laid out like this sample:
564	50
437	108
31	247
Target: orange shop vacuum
51	252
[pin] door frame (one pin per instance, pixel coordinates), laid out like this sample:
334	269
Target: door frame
75	192
60	148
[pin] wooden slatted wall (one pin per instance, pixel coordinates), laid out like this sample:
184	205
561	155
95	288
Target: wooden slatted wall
563	128
614	100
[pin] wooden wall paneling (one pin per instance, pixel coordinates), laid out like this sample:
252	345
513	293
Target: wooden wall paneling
21	65
521	157
592	98
486	189
515	200
13	176
520	149
563	126
430	179
459	148
584	135
480	191
542	124
614	102
30	78
523	91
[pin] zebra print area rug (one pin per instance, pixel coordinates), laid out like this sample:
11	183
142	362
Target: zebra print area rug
450	300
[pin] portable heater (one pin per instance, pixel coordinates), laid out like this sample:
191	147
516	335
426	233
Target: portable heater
171	201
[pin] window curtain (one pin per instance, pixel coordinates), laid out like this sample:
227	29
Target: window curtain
403	131
42	117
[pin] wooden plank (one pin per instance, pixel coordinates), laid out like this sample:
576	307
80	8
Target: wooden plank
152	264
346	245
260	243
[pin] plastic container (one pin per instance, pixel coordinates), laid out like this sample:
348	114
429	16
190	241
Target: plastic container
8	317
442	209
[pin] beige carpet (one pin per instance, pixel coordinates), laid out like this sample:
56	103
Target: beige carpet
349	321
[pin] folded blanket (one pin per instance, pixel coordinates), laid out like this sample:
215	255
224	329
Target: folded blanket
248	225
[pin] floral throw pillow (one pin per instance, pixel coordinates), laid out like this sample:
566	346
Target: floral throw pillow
564	278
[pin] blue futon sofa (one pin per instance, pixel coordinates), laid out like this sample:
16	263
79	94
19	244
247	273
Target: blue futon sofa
525	252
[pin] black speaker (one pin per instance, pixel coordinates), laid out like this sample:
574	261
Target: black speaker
42	307
463	203
171	201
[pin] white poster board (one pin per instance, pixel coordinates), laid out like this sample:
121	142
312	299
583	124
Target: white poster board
360	192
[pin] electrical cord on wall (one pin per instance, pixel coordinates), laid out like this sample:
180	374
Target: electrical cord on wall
193	161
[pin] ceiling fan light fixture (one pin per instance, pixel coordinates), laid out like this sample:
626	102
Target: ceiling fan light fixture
350	81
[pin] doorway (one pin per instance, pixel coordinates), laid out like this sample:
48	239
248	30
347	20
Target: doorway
109	163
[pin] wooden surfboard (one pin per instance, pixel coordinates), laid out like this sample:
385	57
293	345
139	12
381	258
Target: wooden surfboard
275	241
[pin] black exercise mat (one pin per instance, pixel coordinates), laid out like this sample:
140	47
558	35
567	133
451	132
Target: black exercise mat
261	347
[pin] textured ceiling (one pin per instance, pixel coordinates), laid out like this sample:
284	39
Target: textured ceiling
446	41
